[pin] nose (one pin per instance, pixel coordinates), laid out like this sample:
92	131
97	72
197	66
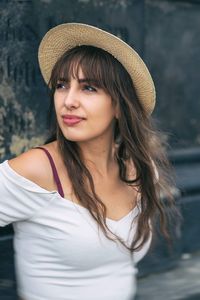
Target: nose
71	98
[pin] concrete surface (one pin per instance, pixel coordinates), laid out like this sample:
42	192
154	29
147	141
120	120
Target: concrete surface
181	283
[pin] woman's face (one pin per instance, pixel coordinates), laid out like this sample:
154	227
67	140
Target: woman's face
84	112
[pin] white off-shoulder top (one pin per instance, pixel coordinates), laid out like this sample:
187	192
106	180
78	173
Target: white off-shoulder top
59	252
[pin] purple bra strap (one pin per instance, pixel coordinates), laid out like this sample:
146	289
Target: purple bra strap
55	173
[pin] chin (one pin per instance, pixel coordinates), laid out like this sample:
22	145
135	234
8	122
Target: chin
77	139
80	139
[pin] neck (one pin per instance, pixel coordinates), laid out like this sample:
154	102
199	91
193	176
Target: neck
98	157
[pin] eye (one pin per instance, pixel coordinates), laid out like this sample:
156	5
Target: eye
60	85
89	88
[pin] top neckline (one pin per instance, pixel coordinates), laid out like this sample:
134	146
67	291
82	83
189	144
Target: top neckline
37	188
132	211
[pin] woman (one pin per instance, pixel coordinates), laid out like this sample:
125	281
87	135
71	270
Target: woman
83	205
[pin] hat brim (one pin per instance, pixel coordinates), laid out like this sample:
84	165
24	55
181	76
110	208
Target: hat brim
67	36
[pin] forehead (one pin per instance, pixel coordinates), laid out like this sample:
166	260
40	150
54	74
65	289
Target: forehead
71	71
79	74
80	78
83	65
63	75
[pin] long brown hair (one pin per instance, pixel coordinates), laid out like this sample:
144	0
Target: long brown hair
136	141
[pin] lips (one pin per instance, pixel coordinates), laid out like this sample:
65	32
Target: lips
72	119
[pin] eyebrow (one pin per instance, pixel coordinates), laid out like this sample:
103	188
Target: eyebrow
88	80
82	80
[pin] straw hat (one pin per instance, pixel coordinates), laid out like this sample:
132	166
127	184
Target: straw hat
66	36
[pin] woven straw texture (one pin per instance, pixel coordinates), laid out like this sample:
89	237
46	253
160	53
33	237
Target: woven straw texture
66	36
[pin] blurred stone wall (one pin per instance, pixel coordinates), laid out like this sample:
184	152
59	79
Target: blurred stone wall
165	33
172	46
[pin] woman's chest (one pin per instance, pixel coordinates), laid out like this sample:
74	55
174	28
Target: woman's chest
68	236
119	199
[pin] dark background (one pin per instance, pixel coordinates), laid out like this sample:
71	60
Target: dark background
166	33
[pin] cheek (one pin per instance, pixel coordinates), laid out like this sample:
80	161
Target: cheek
101	106
106	112
57	104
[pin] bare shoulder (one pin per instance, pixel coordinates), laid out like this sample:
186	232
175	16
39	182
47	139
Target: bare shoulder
34	165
